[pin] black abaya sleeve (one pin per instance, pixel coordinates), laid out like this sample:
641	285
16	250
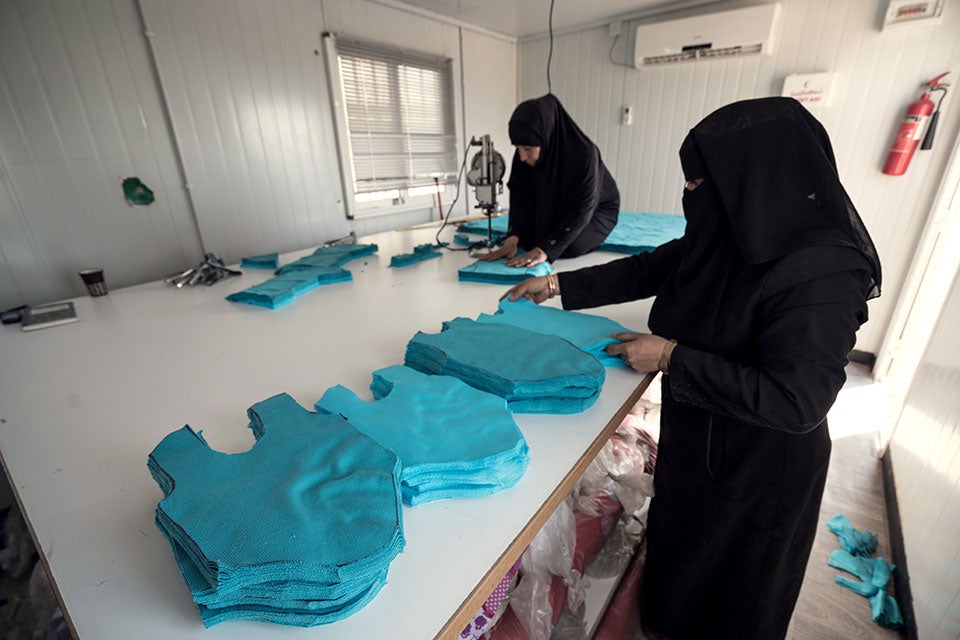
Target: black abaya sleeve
631	278
581	195
804	334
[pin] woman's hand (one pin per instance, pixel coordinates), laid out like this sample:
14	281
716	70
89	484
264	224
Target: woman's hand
530	258
535	289
508	250
641	351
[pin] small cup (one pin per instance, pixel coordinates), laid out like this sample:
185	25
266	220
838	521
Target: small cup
96	285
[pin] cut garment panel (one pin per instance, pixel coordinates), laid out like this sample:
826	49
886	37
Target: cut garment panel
639	232
588	332
300	529
420	253
443	453
265	261
497	272
534	372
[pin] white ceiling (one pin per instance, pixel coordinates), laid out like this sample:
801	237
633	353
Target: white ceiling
523	18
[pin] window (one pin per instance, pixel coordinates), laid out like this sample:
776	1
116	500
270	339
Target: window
395	125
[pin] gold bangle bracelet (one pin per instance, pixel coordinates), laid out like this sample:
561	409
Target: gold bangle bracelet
665	355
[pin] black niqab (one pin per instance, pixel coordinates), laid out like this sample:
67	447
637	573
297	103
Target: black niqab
548	193
770	188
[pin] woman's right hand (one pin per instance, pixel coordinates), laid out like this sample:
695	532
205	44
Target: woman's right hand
508	250
535	289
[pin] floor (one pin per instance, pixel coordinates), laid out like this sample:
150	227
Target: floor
825	610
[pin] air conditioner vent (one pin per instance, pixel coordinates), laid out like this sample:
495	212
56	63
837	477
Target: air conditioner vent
747	31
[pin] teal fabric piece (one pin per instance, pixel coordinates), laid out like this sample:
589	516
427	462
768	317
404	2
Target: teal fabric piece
588	332
284	289
265	261
534	372
420	253
862	543
323	266
444	452
463	239
633	234
300	529
497	272
479	227
639	232
874	573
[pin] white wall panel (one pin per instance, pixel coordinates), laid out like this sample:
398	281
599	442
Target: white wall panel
878	74
74	121
925	453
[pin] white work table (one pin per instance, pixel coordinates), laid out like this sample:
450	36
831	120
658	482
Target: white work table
81	406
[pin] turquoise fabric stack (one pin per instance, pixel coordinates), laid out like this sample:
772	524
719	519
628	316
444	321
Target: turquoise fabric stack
588	332
265	261
444	452
420	253
299	530
633	234
639	232
497	272
294	279
533	372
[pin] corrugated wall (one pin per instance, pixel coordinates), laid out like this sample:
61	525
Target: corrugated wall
925	453
79	111
249	111
879	74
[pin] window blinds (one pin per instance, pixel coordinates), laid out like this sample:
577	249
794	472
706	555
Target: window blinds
398	107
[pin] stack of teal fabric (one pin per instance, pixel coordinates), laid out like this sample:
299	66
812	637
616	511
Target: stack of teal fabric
444	451
294	279
633	234
639	232
299	530
420	253
590	333
497	272
533	372
265	261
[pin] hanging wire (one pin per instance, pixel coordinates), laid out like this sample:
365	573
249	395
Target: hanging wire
446	245
550	55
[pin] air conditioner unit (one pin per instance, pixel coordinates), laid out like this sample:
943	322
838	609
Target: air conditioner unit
727	34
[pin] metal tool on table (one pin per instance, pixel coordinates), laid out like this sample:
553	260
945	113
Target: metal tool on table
210	271
349	239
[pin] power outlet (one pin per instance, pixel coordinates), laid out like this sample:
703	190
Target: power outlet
615	28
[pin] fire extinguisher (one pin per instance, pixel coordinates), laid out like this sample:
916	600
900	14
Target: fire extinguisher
912	127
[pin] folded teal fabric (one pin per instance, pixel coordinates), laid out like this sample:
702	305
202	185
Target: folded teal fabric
497	272
874	573
265	261
634	232
534	372
479	227
639	232
299	530
444	452
420	253
588	332
294	279
861	543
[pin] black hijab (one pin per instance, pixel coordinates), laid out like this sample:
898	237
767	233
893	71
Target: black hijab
567	158
770	188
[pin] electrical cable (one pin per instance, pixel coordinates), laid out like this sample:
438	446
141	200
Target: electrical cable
446	245
550	55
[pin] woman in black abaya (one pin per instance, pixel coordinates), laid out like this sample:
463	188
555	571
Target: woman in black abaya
563	201
757	307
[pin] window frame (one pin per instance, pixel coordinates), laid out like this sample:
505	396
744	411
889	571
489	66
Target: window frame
405	202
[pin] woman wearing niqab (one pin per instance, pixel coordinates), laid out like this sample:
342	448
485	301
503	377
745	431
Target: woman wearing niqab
563	200
757	308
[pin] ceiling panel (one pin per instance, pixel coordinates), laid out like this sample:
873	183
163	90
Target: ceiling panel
521	18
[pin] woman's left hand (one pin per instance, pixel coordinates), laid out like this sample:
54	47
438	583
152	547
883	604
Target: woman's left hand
641	351
528	259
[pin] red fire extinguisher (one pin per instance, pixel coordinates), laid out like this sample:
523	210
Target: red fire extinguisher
912	127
